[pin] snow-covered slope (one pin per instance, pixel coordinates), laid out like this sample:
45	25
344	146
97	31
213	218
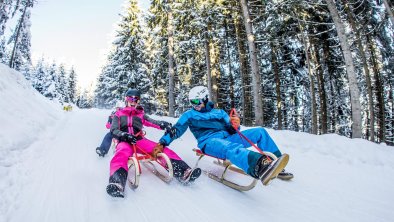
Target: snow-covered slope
24	116
60	178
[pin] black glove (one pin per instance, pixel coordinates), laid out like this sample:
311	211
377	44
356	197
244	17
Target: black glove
128	138
171	131
165	125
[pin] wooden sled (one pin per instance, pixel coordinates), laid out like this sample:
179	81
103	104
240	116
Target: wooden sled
229	166
161	166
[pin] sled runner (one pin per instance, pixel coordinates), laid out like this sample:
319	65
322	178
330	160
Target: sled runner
161	166
229	166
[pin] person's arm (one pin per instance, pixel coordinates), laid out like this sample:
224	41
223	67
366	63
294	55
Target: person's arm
109	122
228	123
176	131
149	122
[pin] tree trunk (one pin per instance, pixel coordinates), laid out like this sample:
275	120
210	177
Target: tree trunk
326	59
379	92
256	84
245	78
311	80
215	75
277	85
391	143
389	12
352	78
322	92
312	85
171	72
12	59
232	99
371	128
208	63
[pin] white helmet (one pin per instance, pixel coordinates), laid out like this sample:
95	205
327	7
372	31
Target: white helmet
119	104
199	92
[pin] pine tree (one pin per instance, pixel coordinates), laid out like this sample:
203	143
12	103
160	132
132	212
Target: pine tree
50	90
5	11
21	39
39	76
62	86
4	55
84	100
72	85
126	66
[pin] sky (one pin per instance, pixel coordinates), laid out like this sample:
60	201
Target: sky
77	33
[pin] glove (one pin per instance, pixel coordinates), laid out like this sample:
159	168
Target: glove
235	122
165	125
128	138
157	149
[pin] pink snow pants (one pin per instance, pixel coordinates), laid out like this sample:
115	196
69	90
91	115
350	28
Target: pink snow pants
124	151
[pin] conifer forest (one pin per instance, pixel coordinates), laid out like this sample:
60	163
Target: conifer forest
320	66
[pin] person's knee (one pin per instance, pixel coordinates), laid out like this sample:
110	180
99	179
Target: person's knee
124	148
262	130
235	151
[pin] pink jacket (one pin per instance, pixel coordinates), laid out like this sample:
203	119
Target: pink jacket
132	120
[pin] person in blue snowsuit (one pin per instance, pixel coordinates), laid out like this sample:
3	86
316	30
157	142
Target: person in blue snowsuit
215	132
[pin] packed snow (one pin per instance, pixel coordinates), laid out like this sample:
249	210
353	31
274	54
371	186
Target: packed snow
50	172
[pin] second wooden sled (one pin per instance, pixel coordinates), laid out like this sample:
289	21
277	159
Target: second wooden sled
164	170
229	166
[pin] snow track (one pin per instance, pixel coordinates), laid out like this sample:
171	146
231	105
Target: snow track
60	178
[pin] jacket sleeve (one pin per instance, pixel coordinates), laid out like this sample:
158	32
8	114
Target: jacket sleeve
178	130
109	122
149	122
115	127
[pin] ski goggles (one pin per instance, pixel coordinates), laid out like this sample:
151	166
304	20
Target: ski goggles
132	99
196	102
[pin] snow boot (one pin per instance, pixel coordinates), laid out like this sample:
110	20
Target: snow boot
190	175
268	169
183	173
117	183
284	175
100	152
115	190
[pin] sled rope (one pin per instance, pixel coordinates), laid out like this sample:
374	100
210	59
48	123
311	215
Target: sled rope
233	112
146	154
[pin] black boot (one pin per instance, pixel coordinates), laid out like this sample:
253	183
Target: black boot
117	183
183	173
271	169
115	190
190	175
262	166
100	152
258	164
284	175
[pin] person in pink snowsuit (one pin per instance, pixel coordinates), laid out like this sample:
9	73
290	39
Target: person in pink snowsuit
127	127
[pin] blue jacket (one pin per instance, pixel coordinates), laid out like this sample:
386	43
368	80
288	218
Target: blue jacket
204	124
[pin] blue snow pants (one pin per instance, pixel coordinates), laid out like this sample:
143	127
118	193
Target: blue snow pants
233	148
106	143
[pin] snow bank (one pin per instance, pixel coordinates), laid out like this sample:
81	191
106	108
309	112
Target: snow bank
24	116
